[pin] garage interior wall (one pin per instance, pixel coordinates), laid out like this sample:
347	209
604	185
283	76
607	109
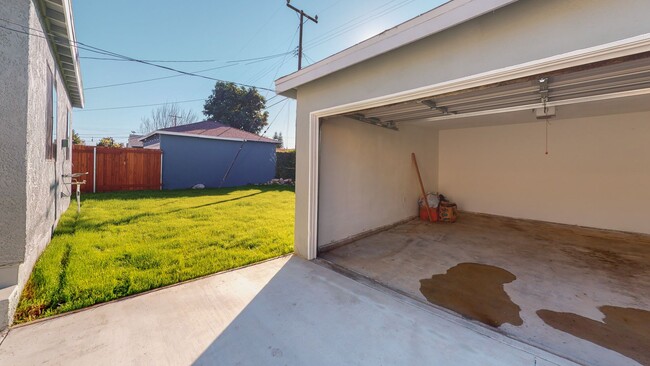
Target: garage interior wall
367	179
596	173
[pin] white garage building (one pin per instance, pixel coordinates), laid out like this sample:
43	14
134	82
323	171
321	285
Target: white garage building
480	91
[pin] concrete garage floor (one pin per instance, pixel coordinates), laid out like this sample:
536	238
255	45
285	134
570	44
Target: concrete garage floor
286	311
578	292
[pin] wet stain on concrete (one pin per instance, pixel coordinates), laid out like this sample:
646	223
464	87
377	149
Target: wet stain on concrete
624	330
475	291
616	263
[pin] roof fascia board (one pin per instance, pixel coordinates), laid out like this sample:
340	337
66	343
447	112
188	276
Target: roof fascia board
200	136
443	17
72	39
621	48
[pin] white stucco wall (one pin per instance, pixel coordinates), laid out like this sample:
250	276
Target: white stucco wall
368	179
524	31
597	172
41	203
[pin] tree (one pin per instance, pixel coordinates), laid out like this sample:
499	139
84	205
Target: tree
76	139
278	137
237	106
109	142
167	115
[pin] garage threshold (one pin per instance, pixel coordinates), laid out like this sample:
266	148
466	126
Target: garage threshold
554	287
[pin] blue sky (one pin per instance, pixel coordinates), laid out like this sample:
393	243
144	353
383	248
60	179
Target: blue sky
218	30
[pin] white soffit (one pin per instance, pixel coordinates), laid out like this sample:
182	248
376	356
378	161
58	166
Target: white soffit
437	20
59	26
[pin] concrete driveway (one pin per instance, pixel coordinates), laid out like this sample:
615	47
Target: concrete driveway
286	311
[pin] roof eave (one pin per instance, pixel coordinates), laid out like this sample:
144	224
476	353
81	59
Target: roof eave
60	28
158	132
445	16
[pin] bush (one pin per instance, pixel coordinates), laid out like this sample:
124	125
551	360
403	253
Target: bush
286	164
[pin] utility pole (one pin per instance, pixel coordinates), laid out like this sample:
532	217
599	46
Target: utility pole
303	15
173	116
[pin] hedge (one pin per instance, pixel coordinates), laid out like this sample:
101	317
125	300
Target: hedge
285	164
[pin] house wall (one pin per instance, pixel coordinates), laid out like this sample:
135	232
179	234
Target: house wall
524	31
368	179
188	161
596	173
40	203
14	50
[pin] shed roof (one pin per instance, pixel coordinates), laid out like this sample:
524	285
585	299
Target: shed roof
211	129
443	17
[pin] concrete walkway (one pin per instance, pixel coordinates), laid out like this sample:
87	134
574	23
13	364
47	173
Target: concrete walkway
282	312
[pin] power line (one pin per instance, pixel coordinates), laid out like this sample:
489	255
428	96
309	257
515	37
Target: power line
355	23
98	50
276	103
139	106
157	104
161	61
153	79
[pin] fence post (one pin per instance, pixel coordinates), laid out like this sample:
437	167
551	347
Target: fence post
95	169
161	170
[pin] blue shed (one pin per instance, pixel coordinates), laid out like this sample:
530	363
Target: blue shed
212	154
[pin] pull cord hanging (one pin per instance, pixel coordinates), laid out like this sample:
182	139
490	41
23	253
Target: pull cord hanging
546	122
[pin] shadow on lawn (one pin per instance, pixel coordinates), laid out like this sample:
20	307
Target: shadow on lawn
181	193
85	225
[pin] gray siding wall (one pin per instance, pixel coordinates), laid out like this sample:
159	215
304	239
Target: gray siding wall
38	195
188	161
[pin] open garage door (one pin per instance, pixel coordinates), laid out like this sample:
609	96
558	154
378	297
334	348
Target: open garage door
551	175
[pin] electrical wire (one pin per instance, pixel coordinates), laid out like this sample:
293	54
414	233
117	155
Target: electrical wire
139	106
98	50
153	79
161	61
353	24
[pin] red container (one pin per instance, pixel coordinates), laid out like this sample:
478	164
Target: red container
425	217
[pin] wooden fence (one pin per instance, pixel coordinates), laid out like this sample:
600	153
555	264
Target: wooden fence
118	169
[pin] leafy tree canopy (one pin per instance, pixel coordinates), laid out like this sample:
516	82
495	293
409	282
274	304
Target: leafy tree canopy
237	106
76	139
109	142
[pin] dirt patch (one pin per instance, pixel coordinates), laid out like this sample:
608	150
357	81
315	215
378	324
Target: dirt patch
624	330
475	291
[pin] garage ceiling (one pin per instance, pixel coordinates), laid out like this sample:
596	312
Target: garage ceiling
599	81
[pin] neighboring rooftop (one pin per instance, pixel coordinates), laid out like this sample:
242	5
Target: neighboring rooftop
210	129
445	16
134	141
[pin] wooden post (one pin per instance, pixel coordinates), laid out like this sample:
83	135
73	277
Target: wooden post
95	169
424	193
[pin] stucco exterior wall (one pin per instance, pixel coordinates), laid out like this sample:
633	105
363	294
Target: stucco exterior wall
188	161
524	31
13	134
45	197
596	173
368	178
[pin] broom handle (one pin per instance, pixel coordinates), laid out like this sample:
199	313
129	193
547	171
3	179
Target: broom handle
424	194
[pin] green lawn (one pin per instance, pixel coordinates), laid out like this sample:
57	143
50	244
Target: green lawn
128	242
